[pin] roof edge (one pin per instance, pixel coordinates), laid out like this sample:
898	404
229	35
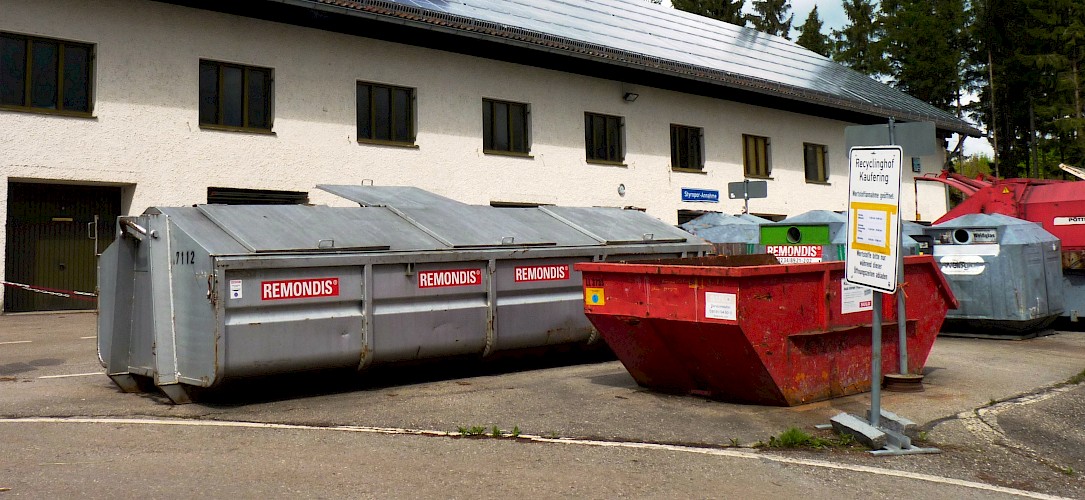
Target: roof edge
383	10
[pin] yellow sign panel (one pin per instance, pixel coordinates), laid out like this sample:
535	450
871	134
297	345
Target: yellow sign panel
872	228
594	297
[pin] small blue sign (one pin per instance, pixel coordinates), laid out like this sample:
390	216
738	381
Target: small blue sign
701	195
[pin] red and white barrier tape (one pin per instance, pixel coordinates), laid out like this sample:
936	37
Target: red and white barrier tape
72	294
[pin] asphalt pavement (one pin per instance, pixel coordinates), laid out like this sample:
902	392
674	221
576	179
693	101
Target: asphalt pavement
1001	411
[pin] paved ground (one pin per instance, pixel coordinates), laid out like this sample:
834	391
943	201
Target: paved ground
587	431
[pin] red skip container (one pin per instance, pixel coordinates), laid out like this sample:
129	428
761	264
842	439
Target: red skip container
729	329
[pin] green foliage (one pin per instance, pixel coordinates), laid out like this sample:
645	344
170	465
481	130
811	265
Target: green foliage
858	44
771	16
974	165
1036	50
811	37
794	437
925	43
476	430
728	11
1077	379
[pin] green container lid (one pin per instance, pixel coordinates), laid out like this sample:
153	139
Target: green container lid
795	234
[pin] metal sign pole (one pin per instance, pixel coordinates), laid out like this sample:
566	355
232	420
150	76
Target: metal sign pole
746	195
876	362
902	314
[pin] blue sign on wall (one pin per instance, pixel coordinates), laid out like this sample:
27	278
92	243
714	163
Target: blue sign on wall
701	195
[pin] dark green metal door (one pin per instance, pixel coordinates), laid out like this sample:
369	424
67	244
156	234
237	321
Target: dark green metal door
53	234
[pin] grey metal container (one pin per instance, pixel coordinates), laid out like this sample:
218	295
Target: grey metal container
192	296
1006	272
728	234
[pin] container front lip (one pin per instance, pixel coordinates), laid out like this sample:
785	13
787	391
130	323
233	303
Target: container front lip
749	271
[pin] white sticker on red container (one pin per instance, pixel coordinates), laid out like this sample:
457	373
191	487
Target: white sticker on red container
1069	221
557	272
855	298
235	289
720	306
299	289
449	277
795	254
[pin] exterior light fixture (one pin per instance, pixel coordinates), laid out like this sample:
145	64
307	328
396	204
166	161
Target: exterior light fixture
630	96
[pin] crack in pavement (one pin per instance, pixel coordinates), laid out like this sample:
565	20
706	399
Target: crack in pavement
982	422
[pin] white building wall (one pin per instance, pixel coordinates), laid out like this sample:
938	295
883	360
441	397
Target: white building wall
145	132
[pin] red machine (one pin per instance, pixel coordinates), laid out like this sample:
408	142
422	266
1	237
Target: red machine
1058	206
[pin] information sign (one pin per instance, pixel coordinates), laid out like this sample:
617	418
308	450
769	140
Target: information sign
873	217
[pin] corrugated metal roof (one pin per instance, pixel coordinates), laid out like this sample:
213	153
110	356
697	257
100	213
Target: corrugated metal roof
639	34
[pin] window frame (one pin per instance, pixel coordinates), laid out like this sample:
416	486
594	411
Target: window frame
756	166
691	133
411	115
28	69
269	104
613	138
489	127
823	169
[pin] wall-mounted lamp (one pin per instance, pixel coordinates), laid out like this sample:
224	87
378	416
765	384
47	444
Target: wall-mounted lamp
630	96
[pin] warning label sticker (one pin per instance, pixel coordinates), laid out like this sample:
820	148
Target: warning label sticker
795	254
855	298
720	305
451	277
541	273
235	289
594	296
299	289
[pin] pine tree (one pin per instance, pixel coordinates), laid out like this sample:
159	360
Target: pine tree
769	17
925	48
1003	35
728	11
1060	38
811	37
858	44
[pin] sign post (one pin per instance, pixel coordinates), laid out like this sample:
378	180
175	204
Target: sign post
873	240
747	189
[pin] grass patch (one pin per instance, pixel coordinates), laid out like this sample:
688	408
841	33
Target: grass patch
476	430
494	432
1077	379
795	437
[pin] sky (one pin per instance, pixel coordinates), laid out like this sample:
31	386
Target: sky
831	13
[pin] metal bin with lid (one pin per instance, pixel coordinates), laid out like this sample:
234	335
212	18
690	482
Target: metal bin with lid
191	296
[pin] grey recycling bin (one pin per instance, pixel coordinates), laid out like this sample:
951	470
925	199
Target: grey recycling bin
728	234
1006	272
192	296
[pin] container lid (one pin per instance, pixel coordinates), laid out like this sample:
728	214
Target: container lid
396	196
724	228
278	228
615	226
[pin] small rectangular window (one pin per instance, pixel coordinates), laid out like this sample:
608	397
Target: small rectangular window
756	156
603	138
814	158
235	96
505	127
45	74
687	147
385	114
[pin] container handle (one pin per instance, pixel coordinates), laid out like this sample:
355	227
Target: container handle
328	243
